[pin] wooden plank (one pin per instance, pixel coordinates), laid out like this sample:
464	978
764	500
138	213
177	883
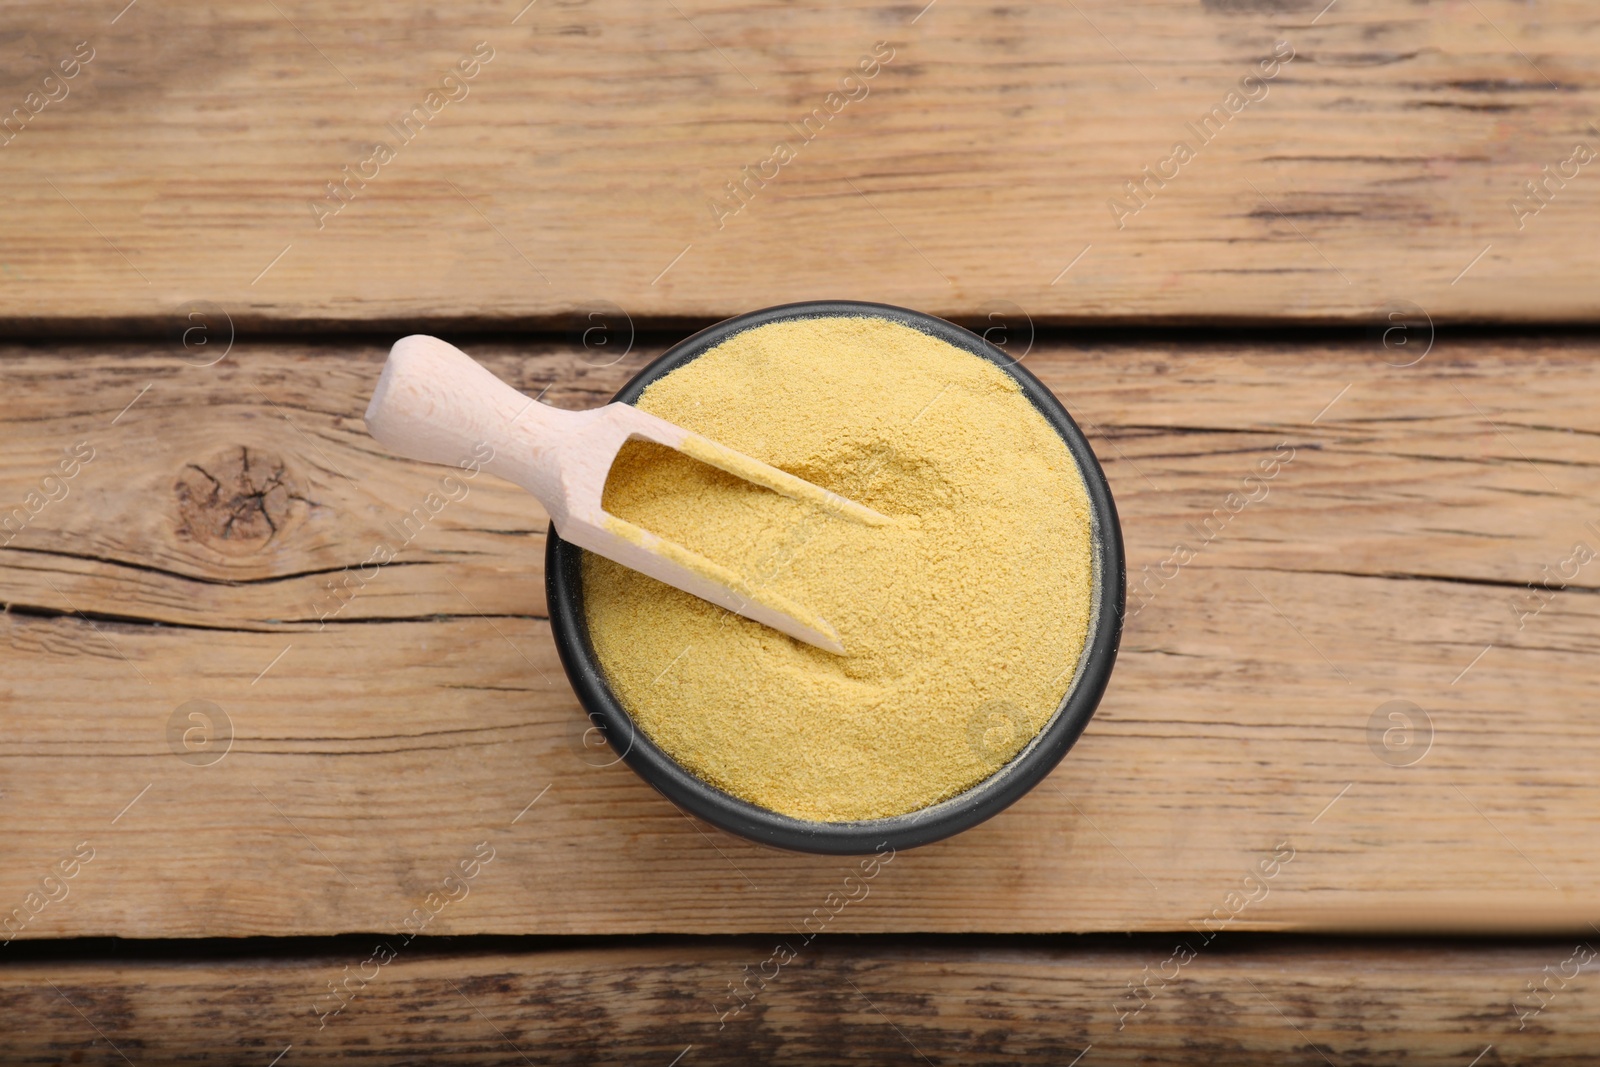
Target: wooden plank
374	750
828	1002
191	159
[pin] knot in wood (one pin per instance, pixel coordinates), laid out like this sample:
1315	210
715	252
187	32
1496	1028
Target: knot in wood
238	501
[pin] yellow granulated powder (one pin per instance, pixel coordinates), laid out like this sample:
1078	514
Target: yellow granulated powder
962	619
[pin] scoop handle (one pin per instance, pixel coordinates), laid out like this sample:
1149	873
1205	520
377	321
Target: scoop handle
435	403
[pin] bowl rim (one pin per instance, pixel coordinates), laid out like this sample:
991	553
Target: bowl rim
985	799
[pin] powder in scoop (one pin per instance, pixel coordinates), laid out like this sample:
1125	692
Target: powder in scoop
963	619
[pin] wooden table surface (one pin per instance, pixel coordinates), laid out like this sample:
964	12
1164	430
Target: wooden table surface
1376	676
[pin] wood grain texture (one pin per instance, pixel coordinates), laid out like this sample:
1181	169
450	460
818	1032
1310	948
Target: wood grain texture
191	159
873	1003
374	750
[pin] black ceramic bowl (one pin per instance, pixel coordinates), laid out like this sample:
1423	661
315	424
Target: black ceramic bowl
564	586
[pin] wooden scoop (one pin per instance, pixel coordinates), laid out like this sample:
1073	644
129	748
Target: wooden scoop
436	404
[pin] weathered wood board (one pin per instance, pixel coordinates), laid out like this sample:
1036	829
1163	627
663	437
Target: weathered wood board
697	159
369	744
833	1002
